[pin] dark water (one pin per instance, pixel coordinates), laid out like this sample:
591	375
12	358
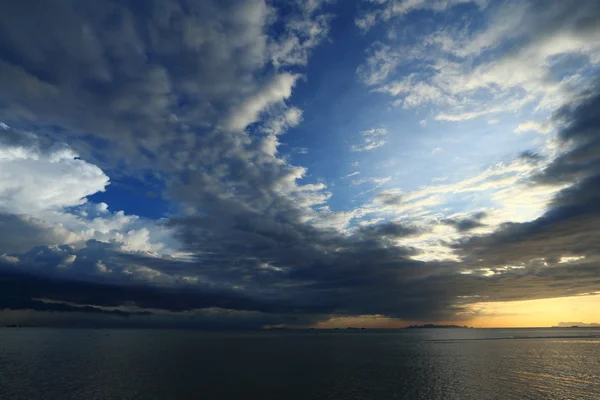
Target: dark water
410	364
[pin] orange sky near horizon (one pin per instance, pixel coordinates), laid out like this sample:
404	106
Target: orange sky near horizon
538	313
514	314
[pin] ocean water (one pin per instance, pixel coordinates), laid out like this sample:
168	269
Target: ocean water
405	364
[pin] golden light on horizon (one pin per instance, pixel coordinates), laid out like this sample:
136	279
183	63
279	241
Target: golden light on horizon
512	314
537	313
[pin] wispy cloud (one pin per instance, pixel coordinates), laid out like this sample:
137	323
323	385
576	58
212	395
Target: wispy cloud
300	150
372	139
466	71
534	126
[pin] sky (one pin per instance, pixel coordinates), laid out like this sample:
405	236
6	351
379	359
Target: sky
304	163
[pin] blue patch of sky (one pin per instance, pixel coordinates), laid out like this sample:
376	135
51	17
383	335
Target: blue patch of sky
142	197
336	108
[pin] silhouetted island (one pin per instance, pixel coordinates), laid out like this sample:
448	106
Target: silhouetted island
577	325
432	326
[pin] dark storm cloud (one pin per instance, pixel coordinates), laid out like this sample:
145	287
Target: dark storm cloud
21	232
569	228
303	278
21	291
580	136
465	224
390	229
8	302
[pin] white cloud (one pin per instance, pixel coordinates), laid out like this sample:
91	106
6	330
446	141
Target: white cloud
277	125
325	218
564	260
67	261
35	178
506	186
400	7
372	139
470	74
415	92
43	195
9	259
534	126
464	116
300	150
378	182
380	63
278	89
384	10
303	31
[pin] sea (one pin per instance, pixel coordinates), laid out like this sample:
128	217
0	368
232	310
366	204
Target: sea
445	364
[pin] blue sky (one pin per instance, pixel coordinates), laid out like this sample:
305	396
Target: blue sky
297	161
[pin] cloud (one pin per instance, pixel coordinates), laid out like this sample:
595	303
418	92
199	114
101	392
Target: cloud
372	139
446	208
384	10
568	228
303	31
43	199
28	232
389	197
381	62
579	135
463	70
300	150
277	90
389	229
146	81
37	176
199	94
533	126
466	224
378	182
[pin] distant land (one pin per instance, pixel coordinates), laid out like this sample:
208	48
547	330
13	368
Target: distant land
432	326
352	328
577	325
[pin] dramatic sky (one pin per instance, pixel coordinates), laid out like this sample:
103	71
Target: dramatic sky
241	164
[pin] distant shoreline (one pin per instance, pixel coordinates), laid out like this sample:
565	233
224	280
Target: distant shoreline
433	326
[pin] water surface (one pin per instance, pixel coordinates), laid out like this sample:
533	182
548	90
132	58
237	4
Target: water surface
38	363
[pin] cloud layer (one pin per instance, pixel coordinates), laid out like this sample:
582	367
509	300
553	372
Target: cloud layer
198	95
